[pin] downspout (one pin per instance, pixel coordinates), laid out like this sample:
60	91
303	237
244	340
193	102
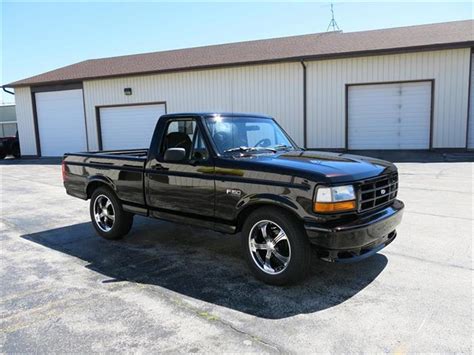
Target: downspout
8	92
305	143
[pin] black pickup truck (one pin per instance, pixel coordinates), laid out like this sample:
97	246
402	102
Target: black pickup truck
242	173
9	146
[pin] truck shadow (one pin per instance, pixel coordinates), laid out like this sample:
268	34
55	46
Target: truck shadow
206	266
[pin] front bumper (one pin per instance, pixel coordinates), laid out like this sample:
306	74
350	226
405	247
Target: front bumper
357	239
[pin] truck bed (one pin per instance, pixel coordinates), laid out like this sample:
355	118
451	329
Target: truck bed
123	153
122	170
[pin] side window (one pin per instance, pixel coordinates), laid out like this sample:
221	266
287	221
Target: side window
185	134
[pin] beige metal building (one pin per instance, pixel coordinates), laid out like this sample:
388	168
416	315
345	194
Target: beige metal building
400	88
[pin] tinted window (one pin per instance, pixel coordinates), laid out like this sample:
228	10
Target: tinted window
185	134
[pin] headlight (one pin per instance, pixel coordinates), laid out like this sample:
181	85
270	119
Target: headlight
335	199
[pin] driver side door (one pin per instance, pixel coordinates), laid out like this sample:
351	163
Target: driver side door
186	187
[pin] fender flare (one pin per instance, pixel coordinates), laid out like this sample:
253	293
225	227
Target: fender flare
254	201
99	179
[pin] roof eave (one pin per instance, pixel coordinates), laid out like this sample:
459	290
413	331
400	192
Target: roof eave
421	48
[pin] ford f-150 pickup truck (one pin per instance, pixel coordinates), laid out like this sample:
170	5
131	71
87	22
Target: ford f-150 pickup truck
242	173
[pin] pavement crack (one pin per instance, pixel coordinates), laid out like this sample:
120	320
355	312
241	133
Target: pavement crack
438	215
13	225
252	337
434	190
430	261
206	316
212	318
29	181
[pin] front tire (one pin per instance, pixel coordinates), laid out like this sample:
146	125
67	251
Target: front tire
276	247
107	215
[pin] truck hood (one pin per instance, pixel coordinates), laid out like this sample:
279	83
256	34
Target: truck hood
322	166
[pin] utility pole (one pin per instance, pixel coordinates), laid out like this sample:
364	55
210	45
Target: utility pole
333	22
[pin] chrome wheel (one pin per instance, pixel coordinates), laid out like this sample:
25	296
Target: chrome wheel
269	247
104	213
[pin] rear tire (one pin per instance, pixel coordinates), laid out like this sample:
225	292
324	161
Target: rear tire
2	155
16	151
107	215
276	247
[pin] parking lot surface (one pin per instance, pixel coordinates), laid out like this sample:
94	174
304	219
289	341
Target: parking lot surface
168	287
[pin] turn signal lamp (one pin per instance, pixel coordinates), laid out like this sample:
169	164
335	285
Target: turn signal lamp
335	199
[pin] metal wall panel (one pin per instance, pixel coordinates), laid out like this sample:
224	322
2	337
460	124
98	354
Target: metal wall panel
275	89
326	92
25	122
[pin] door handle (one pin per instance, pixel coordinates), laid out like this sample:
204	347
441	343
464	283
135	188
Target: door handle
156	167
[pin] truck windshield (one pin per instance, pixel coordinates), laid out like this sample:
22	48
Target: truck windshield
250	134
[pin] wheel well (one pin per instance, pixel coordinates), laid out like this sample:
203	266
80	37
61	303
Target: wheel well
95	185
247	211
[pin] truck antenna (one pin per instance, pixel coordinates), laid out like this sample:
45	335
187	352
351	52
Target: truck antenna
333	22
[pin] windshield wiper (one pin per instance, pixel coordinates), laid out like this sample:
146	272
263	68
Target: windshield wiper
249	149
282	147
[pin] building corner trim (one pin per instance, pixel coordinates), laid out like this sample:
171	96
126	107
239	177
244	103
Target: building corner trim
305	109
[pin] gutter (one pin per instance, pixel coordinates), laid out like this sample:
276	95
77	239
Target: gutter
8	92
305	109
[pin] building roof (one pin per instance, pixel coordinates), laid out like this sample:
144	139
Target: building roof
304	47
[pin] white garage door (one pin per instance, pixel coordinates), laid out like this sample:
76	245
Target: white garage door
61	123
470	141
389	116
129	127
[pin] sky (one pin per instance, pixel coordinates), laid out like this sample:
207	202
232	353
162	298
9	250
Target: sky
43	35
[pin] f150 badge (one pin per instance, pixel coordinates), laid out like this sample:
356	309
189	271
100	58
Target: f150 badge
234	192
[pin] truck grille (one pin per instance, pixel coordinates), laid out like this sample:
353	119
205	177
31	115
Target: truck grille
378	192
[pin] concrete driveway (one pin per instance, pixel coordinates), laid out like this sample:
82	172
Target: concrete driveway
170	287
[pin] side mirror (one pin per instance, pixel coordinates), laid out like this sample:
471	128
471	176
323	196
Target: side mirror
175	154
